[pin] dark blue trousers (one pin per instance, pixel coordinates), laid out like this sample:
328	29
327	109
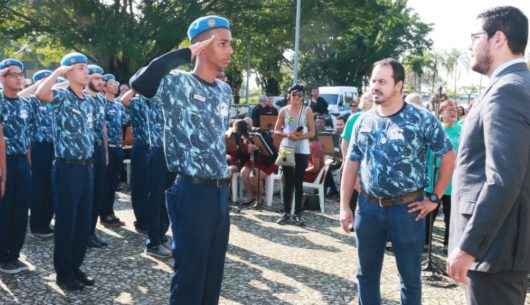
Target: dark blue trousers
14	208
159	181
73	216
200	225
139	187
112	180
42	155
100	173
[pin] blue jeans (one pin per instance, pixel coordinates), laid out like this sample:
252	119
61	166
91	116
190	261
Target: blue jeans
375	225
200	225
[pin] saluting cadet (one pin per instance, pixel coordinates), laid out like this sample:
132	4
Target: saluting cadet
95	89
41	165
116	118
73	168
195	108
138	111
17	117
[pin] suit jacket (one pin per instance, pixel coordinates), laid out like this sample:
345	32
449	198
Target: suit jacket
490	215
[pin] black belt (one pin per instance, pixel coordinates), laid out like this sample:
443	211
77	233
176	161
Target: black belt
76	162
206	181
17	156
387	202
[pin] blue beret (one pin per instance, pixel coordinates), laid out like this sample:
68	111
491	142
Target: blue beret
108	77
74	58
40	75
11	62
95	69
206	23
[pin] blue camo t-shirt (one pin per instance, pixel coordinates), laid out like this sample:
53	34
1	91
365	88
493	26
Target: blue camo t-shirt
195	120
392	150
74	125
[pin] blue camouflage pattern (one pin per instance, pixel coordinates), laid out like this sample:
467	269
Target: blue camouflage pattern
99	103
138	111
195	120
155	125
392	151
43	130
74	125
116	117
17	118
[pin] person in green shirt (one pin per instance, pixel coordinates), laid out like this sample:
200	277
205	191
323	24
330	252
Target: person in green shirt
453	128
364	105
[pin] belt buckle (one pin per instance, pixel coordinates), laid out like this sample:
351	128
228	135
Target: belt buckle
380	202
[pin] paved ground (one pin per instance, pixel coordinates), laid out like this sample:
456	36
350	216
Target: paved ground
266	264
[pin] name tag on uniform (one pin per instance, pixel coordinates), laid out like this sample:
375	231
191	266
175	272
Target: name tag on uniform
396	134
199	98
23	114
76	111
366	129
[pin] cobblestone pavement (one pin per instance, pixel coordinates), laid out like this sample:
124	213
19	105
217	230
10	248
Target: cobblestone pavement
266	264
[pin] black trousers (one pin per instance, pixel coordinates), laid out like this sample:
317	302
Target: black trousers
293	180
506	288
42	155
14	208
112	180
446	207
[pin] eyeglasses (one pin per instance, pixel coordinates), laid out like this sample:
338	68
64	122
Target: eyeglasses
477	35
299	94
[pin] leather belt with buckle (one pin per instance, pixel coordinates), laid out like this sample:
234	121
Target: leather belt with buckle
206	181
76	162
387	202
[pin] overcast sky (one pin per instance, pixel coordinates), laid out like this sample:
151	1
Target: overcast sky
453	22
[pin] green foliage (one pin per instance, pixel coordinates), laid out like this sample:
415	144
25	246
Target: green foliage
340	38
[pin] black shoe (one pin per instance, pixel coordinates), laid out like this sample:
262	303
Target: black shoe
84	279
158	251
13	267
285	219
139	228
298	220
69	285
47	233
100	240
94	242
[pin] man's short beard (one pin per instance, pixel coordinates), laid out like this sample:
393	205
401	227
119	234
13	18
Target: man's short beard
92	87
483	63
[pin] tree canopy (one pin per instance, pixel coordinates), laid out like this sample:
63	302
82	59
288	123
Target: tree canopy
340	39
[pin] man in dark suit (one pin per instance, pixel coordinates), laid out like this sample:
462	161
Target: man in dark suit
490	219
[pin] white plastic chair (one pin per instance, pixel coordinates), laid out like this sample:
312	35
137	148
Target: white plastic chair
269	187
127	163
235	186
318	185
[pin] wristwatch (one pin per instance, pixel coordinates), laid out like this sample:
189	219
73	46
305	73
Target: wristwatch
434	198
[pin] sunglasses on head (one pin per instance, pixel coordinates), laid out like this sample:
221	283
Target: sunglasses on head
296	93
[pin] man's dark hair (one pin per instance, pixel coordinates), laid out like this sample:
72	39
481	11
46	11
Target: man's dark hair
398	71
509	20
343	117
